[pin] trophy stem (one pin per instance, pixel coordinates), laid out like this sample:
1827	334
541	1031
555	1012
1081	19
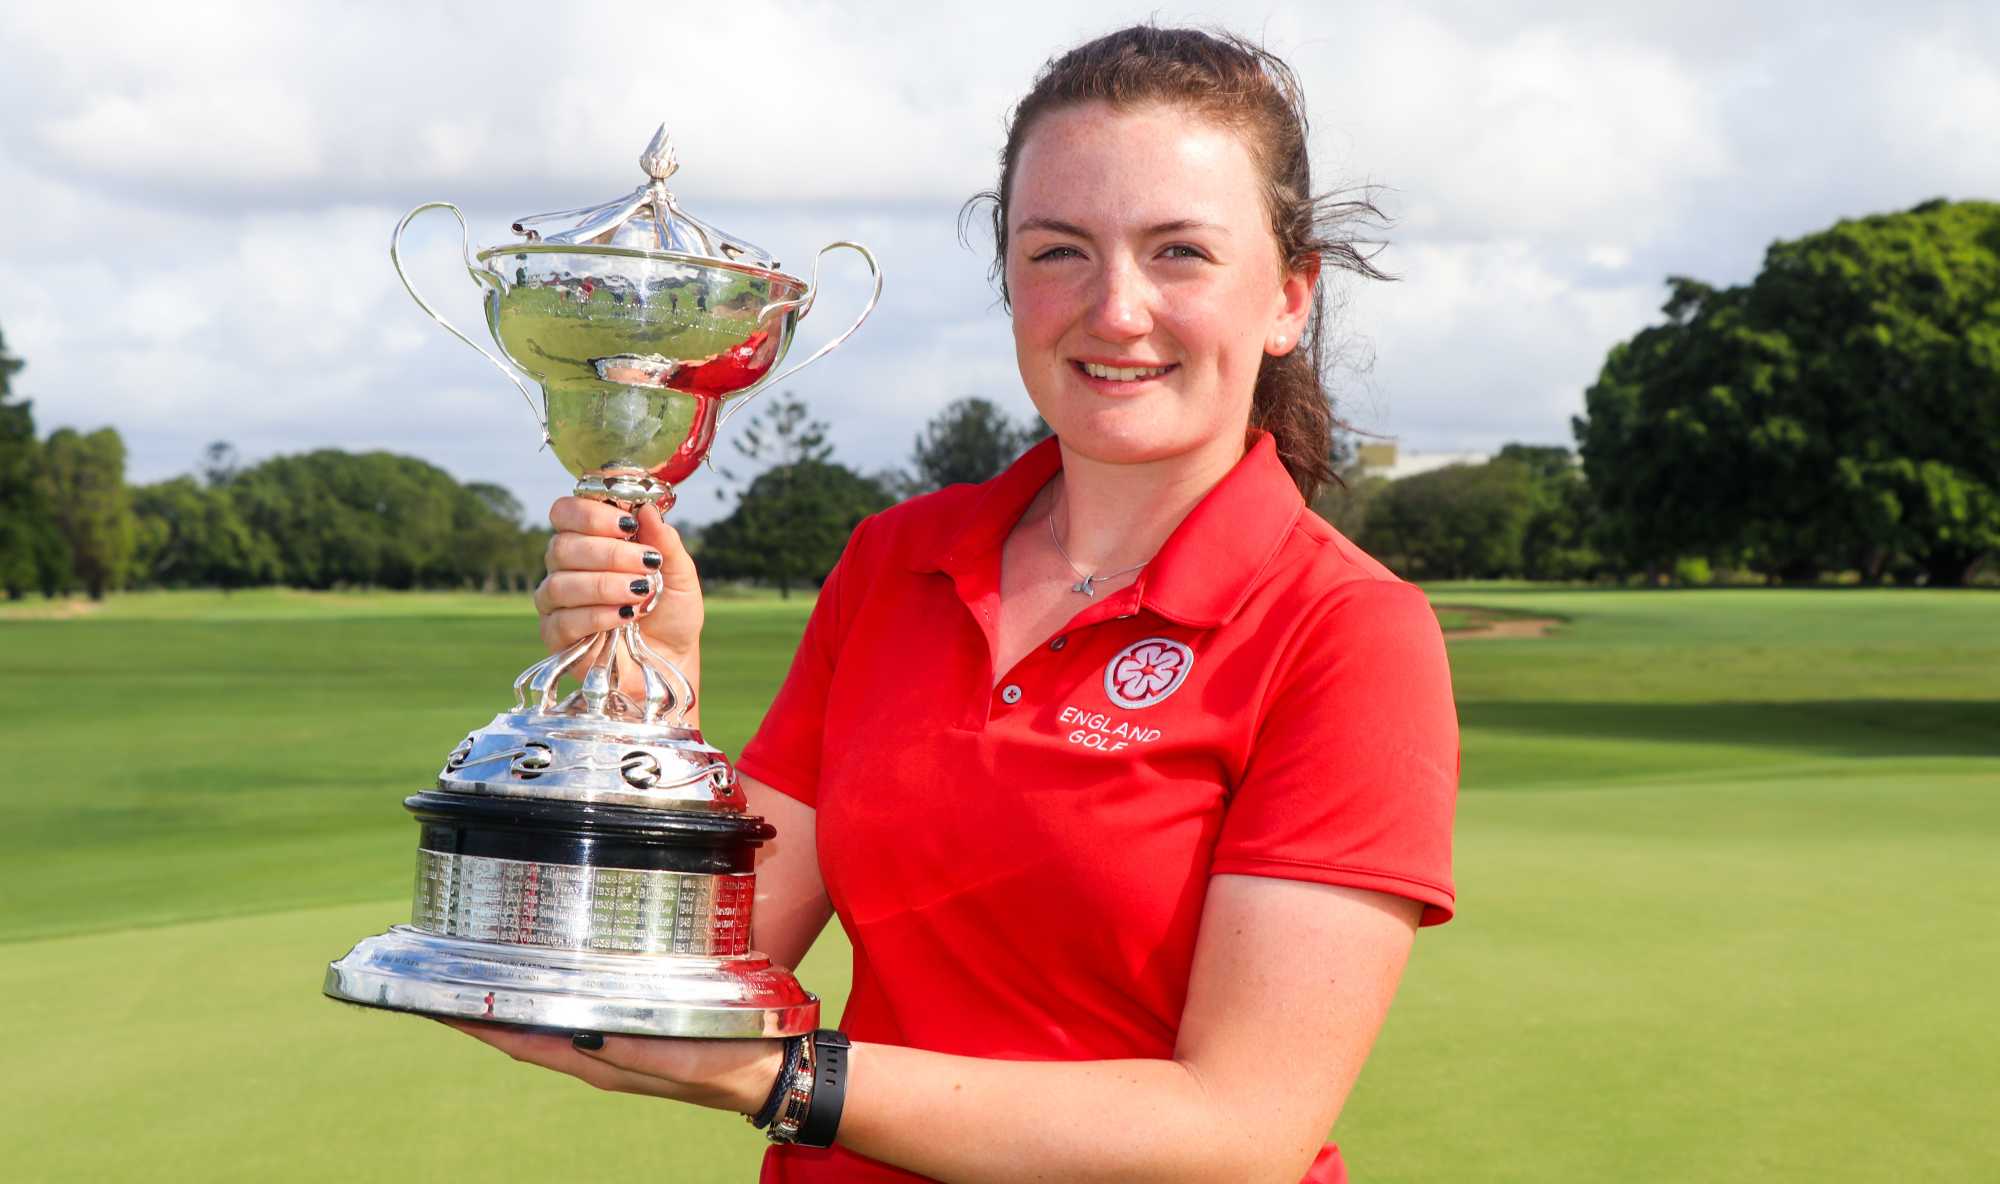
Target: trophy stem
601	661
627	491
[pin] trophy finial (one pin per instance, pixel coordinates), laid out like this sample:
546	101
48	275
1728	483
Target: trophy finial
659	159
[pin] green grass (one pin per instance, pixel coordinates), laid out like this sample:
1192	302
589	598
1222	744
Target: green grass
1727	861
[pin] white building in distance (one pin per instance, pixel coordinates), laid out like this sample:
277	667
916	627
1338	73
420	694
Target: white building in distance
1382	458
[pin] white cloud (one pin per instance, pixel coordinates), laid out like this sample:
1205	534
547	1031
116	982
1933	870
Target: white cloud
1524	342
199	196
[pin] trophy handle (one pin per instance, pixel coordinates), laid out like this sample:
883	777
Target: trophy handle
465	250
805	304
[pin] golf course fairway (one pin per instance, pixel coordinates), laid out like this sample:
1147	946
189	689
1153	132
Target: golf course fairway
1728	864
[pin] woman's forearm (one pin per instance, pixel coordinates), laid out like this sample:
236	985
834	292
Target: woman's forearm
967	1120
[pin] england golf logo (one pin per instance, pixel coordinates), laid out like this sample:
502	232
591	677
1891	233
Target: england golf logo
1146	672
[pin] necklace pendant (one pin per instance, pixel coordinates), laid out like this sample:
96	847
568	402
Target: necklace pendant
1083	586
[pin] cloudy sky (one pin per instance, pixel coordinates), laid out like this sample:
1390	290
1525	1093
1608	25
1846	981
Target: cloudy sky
198	197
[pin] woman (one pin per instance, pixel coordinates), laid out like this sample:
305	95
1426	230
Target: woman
1129	779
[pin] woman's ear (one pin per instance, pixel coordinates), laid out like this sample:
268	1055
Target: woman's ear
1295	297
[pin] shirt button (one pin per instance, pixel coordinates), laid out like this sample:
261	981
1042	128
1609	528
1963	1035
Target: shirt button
1010	694
1059	643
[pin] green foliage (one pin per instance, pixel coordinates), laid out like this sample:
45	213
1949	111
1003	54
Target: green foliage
1555	543
791	523
968	442
1839	412
1693	571
193	536
491	549
1526	513
1458	522
1345	503
376	519
32	551
82	478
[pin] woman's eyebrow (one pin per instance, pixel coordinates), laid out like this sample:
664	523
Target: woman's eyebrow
1058	226
1180	224
1054	225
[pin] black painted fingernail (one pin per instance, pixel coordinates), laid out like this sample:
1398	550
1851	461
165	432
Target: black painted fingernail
626	611
627	523
587	1041
650	559
641	587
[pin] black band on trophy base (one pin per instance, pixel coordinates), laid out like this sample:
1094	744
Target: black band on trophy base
588	834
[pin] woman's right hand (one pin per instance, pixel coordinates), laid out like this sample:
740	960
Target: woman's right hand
603	563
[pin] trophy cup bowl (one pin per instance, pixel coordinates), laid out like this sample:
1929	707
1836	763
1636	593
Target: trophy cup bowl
585	862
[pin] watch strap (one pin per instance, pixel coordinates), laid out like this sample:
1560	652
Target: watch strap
829	1089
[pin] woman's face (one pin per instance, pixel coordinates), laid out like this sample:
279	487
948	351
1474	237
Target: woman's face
1145	281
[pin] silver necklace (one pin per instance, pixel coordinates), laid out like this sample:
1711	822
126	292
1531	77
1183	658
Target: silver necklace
1084	582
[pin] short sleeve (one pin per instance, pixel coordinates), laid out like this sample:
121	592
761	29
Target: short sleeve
785	752
1353	776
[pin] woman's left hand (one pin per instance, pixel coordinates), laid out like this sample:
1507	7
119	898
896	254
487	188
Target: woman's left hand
720	1074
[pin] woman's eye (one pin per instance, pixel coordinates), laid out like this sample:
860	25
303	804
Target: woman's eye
1056	253
1184	251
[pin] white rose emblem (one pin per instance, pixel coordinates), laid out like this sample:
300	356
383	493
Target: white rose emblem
1146	672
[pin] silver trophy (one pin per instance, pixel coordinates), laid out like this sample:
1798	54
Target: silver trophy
585	862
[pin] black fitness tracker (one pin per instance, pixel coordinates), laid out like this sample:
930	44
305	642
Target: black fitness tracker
829	1091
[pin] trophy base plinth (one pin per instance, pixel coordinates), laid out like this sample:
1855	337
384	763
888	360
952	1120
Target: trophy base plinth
407	969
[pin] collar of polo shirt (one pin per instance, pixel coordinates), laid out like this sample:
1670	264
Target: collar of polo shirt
1208	565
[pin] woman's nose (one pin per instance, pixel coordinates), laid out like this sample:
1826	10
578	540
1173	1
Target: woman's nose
1121	307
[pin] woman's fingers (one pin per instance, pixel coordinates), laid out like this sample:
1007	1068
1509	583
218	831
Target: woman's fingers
588	589
571	551
582	515
603	562
565	627
556	1052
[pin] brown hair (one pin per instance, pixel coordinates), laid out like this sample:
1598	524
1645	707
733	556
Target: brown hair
1252	91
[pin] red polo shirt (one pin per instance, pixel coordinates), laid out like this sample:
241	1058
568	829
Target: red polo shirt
1020	860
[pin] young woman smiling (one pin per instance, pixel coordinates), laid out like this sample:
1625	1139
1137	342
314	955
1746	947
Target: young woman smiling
1131	879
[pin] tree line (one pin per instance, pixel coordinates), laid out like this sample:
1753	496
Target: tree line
1839	415
69	523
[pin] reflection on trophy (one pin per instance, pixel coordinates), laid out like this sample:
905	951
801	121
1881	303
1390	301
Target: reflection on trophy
585	862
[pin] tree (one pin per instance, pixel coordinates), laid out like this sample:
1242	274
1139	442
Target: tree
1838	412
793	519
1459	522
219	463
783	433
378	519
190	535
1345	503
83	483
493	549
32	554
968	442
1555	543
791	524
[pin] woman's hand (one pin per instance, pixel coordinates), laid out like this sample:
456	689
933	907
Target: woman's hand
603	563
720	1074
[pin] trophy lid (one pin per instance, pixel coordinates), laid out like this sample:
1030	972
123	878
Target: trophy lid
646	219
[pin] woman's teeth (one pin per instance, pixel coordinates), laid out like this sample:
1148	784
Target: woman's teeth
1123	373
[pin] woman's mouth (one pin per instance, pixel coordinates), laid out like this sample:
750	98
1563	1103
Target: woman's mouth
1121	377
